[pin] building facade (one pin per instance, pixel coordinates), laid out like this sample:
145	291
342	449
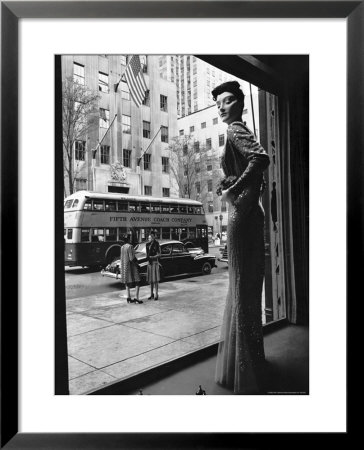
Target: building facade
123	130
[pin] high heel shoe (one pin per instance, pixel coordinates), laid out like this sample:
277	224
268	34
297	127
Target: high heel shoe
156	297
151	297
129	300
138	301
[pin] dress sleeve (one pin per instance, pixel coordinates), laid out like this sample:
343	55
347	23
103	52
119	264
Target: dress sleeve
245	143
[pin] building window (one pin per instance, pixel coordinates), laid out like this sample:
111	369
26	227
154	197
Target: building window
78	73
147	190
104	118
146	129
185	170
214	121
126	124
223	206
194	70
192	129
163	103
209	185
208	144
209	167
147	161
105	154
146	100
144	63
126	158
80	184
185	149
181	132
196	146
80	149
164	134
197	167
165	164
103	82
185	189
195	106
198	187
165	192
125	94
203	125
210	207
123	60
221	140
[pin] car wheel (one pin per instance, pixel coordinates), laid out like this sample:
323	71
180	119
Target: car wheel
206	268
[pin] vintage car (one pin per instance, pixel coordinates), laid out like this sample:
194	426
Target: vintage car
175	260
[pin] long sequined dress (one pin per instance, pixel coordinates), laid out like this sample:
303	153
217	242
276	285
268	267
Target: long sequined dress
240	358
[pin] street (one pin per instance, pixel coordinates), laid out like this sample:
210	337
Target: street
82	282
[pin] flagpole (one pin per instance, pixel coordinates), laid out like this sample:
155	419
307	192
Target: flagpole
94	150
117	84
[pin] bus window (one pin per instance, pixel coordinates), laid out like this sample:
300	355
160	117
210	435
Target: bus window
85	234
175	234
198	210
123	231
110	234
166	249
165	209
98	235
123	206
166	233
192	233
98	205
183	233
134	207
174	209
75	203
69	233
182	209
191	210
144	207
68	204
155	208
110	205
157	232
88	205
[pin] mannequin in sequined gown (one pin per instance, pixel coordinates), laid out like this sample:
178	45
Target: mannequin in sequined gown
240	359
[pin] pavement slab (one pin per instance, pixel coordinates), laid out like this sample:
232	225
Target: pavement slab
77	368
150	359
89	382
205	338
78	324
173	324
84	303
102	347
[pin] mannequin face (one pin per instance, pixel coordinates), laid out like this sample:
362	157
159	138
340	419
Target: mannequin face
150	238
229	107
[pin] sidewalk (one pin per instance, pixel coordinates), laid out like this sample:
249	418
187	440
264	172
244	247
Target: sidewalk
110	340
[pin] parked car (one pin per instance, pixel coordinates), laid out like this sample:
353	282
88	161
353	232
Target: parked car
175	260
224	255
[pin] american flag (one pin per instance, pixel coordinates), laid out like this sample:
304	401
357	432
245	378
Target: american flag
134	78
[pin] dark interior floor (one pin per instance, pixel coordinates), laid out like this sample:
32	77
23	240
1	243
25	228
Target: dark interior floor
287	369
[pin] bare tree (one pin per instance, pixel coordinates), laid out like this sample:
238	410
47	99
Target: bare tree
80	113
195	168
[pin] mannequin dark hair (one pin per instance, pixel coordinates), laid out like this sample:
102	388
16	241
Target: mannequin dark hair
229	86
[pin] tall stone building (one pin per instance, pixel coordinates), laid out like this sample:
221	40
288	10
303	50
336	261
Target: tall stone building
124	130
194	80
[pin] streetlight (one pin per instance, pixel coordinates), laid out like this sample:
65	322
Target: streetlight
221	217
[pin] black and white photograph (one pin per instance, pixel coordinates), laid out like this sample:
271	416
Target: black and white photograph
186	218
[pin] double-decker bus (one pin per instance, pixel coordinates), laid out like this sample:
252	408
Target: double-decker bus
95	224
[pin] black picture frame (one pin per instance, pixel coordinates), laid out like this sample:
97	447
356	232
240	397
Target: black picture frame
11	12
